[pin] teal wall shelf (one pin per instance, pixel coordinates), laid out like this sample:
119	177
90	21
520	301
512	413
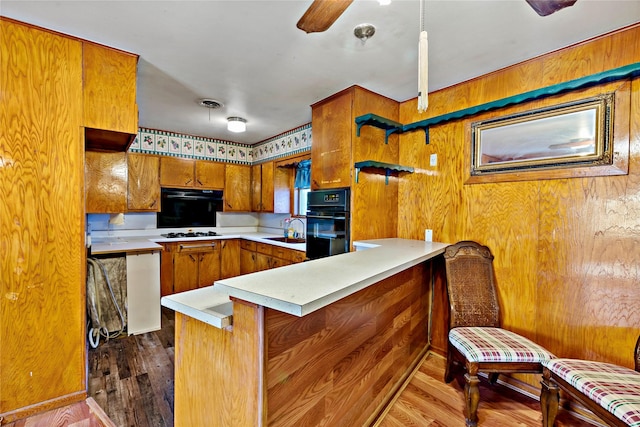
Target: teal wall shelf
389	126
388	168
628	71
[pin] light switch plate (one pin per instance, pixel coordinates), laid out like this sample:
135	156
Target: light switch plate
428	235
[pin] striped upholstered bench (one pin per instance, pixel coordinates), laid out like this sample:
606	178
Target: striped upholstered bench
610	391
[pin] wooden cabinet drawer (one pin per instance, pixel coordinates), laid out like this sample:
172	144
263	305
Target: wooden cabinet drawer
264	248
201	246
280	252
248	245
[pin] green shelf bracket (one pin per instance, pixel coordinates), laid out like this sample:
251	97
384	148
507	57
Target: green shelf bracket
389	126
387	167
626	72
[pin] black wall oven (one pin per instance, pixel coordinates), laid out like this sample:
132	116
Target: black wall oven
327	223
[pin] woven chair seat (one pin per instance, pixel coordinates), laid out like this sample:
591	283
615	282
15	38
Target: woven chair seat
614	388
485	344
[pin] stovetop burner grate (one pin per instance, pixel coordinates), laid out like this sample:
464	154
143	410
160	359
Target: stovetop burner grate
190	234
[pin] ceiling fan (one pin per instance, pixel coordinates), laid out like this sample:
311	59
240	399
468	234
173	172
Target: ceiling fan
323	13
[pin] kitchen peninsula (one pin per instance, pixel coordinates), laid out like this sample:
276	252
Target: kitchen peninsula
325	342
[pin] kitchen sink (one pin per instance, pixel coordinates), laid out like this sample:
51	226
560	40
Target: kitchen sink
287	239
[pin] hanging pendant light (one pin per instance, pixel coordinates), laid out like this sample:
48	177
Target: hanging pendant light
423	64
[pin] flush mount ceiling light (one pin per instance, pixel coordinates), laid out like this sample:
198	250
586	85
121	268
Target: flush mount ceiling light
236	124
364	32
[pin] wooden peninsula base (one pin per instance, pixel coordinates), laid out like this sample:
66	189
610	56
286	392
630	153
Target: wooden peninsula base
336	366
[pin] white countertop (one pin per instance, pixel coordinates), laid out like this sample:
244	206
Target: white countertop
302	288
105	245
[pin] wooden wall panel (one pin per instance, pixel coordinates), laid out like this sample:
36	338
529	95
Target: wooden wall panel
338	365
219	372
374	210
42	266
566	250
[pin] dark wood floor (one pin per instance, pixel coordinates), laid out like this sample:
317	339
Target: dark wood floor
132	380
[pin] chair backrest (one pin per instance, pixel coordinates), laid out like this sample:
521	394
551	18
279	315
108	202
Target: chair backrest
637	355
470	285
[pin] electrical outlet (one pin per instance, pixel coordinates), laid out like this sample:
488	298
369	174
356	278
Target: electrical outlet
433	160
428	235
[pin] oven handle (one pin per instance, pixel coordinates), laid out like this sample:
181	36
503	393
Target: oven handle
325	217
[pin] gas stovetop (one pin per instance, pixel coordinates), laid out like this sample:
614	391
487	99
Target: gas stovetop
190	234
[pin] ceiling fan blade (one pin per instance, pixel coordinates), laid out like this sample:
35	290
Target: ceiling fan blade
547	7
321	14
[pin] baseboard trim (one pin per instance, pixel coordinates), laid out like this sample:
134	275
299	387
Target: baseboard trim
47	405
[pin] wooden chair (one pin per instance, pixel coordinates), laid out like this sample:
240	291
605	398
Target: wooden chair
610	391
476	340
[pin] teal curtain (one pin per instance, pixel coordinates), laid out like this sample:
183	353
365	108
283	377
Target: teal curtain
303	174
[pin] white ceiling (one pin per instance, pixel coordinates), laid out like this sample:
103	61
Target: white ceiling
250	56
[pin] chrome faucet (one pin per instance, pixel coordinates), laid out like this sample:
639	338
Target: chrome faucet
288	223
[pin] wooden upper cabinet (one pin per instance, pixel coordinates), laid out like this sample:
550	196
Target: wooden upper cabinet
176	172
109	94
237	188
331	159
266	190
143	183
256	188
262	194
105	182
209	175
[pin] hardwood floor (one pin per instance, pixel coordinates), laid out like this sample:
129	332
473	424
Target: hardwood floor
428	402
132	380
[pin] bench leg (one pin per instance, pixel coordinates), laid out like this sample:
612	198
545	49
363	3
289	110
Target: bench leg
471	395
549	399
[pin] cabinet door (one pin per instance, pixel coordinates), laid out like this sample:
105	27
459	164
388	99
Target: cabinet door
185	271
263	261
166	268
247	261
229	258
105	182
143	183
209	266
331	161
256	188
109	82
176	172
266	189
237	188
209	175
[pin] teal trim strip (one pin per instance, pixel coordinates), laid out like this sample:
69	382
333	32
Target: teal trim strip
628	71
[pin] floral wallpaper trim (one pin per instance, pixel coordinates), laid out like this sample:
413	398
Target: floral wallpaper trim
295	141
152	141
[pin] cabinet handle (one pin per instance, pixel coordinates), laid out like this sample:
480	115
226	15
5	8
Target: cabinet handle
207	245
200	182
188	182
192	258
153	205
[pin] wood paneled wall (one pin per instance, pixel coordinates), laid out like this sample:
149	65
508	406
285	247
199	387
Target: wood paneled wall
42	255
338	365
567	251
374	201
